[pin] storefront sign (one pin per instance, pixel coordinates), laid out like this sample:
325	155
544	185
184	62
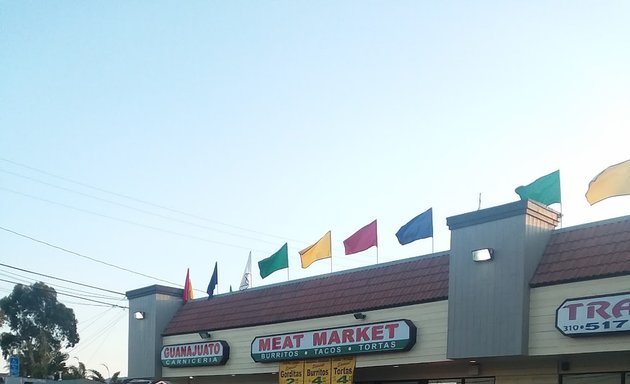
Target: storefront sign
391	336
14	366
594	315
343	370
317	371
291	372
195	354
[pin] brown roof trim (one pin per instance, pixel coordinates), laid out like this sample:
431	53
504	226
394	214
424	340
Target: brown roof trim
585	252
394	284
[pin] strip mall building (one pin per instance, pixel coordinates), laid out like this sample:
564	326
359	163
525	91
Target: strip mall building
550	306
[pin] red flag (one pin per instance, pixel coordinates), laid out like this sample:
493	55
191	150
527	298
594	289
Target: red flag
362	239
188	290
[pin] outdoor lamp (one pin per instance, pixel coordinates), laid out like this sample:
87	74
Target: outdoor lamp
483	254
205	335
360	316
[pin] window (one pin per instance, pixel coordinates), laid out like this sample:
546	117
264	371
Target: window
594	378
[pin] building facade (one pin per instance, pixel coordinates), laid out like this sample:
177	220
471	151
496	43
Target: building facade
548	306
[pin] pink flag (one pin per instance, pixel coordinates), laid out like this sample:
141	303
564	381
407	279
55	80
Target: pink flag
362	239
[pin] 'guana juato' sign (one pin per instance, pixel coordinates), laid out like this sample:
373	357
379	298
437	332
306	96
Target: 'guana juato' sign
195	354
594	315
390	336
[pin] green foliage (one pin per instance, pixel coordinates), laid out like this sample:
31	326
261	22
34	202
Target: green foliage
40	327
76	372
114	379
95	375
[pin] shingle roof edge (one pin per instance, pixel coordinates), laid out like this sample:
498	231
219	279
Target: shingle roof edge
338	273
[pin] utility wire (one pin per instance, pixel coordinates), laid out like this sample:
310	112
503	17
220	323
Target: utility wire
87	304
134	208
86	257
127	221
64	280
105	335
144	201
91	321
143	211
106	329
60	288
75	296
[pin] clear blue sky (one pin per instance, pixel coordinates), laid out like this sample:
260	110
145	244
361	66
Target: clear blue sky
260	122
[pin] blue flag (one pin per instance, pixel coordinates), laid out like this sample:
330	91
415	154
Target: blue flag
420	227
214	280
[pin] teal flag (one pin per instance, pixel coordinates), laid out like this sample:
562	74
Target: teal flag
275	262
544	190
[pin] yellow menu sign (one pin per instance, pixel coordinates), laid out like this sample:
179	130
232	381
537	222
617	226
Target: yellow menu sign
291	372
343	370
317	371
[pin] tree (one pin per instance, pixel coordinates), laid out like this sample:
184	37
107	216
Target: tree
40	327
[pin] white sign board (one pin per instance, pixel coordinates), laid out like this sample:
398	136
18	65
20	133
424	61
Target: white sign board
594	315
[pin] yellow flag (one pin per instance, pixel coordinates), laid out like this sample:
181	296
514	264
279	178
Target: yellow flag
320	250
612	181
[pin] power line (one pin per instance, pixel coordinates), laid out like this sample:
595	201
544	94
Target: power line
126	221
144	201
87	257
106	329
70	295
142	211
58	287
87	304
64	280
133	208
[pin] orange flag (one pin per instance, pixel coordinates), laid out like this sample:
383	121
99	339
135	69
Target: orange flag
188	290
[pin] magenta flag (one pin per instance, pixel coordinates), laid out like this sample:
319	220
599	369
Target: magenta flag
362	239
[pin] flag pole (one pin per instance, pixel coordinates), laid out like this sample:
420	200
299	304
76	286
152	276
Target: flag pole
377	254
330	254
432	245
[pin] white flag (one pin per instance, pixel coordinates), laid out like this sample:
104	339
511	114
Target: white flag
246	281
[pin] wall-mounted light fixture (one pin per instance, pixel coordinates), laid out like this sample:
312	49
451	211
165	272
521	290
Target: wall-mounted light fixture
139	315
483	254
473	369
205	335
360	316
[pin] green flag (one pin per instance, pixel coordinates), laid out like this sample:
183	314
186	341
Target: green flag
544	190
275	262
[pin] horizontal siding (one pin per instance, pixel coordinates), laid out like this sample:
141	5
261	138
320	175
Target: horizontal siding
522	371
430	320
545	339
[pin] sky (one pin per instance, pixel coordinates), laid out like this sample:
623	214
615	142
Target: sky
139	139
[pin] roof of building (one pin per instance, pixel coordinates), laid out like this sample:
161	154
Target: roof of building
590	251
595	250
410	281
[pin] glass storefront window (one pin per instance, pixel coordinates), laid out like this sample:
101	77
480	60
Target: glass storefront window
479	380
593	378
